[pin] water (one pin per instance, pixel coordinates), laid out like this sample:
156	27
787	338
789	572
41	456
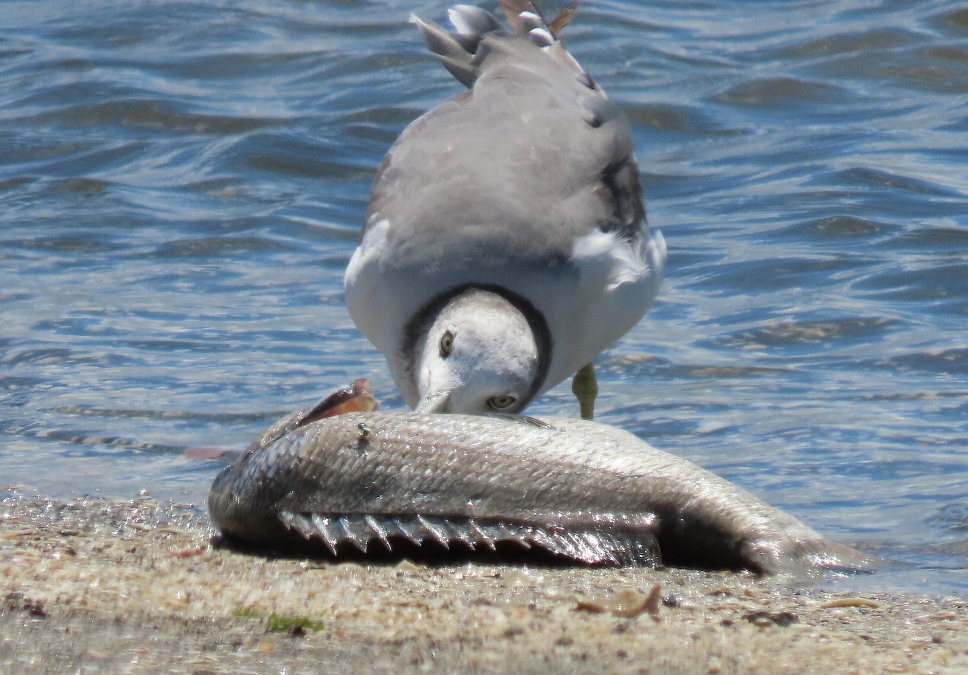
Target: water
181	187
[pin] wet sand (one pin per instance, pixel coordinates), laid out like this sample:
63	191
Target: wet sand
138	587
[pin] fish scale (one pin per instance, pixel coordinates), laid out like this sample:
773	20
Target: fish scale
585	492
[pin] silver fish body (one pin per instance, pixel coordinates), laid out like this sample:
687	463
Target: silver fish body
579	490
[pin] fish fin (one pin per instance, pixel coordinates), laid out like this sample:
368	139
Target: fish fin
356	397
436	529
588	545
600	547
479	535
298	522
355	531
377	528
405	526
324	528
556	541
465	531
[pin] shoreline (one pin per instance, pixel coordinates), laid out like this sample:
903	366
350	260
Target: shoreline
136	586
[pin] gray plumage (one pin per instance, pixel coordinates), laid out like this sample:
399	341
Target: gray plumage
524	185
531	158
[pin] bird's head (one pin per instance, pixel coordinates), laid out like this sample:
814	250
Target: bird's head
483	352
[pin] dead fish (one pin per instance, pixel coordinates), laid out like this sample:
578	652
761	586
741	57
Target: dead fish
580	491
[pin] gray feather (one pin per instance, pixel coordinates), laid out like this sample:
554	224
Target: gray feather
533	157
451	52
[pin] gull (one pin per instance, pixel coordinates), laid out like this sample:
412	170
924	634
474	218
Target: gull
505	242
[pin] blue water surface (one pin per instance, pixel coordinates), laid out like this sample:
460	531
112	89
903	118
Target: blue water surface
182	185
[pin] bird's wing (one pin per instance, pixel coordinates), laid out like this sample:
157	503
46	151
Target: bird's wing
531	158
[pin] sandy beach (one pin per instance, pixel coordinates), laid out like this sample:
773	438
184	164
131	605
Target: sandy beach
92	586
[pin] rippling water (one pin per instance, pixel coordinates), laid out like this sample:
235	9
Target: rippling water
182	184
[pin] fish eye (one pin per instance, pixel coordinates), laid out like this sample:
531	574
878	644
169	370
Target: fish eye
501	402
446	344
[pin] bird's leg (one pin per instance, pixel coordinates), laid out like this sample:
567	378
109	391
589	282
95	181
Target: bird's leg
585	388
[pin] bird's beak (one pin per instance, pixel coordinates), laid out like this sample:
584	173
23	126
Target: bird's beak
434	403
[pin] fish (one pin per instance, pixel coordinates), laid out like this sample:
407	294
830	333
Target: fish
373	484
348	398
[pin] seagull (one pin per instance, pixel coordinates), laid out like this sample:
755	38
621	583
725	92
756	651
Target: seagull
505	242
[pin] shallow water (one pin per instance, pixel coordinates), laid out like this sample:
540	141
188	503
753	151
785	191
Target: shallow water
181	187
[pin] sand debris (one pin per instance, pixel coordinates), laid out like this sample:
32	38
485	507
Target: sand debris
626	603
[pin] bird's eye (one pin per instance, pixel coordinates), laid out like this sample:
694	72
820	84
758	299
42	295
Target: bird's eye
446	344
500	402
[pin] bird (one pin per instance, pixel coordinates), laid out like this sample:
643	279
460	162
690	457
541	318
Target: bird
505	242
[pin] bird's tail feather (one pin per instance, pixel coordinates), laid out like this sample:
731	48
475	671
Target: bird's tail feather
456	49
525	18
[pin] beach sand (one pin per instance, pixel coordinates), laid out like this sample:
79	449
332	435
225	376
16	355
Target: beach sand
95	586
